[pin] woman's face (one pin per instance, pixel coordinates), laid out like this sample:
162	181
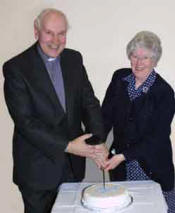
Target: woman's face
142	63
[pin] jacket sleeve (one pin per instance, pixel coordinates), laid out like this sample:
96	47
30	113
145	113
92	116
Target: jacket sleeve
20	107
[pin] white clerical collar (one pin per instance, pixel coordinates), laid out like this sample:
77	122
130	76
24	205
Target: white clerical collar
50	59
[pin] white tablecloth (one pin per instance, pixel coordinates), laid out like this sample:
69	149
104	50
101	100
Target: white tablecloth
147	198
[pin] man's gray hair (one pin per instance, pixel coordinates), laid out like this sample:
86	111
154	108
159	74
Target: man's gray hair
39	18
147	40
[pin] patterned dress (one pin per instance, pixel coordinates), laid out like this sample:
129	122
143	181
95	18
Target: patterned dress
134	171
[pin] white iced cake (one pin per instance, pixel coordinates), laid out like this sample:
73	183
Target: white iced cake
113	196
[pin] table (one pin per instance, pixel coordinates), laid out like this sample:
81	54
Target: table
147	198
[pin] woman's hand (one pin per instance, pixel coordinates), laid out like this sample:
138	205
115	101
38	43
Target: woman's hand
114	161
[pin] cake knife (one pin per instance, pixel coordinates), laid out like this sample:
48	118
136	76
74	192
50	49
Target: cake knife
103	171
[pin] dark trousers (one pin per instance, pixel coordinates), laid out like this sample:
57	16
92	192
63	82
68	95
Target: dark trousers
41	201
38	201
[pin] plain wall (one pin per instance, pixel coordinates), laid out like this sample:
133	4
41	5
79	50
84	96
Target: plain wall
100	29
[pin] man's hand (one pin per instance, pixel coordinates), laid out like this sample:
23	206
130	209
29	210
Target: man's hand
79	147
98	153
101	155
102	150
114	161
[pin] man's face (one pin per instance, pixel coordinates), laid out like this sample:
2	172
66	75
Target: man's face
52	34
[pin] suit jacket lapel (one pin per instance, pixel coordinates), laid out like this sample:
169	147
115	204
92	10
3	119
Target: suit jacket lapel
125	96
139	101
67	81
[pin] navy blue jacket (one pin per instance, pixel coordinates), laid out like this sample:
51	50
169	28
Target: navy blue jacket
142	127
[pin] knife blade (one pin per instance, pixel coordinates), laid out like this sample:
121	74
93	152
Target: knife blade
103	178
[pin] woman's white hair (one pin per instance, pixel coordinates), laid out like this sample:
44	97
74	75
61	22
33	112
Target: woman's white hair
147	40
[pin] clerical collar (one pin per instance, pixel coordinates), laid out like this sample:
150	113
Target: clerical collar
45	57
51	59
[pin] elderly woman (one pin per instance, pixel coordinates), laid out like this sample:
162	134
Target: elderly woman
139	105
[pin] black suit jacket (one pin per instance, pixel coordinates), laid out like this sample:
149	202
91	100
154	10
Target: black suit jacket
142	127
42	128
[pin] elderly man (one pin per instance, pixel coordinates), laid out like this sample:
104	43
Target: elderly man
49	96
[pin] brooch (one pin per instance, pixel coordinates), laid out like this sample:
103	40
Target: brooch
145	89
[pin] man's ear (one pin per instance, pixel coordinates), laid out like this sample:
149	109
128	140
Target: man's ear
36	31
